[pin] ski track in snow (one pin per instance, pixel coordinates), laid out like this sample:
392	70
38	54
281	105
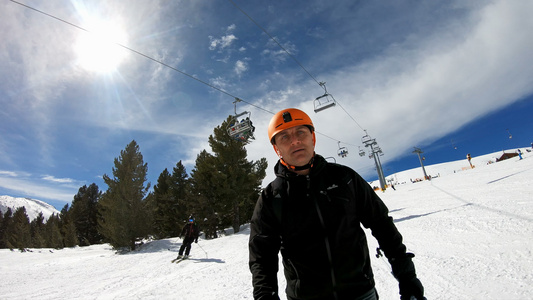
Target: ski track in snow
471	232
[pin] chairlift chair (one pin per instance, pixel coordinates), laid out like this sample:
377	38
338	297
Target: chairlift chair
241	130
366	139
325	101
343	151
361	152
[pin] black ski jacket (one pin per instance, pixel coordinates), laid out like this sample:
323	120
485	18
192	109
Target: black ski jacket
190	232
315	221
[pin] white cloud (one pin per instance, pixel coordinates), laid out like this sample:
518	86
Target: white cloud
8	173
222	42
57	180
240	67
36	188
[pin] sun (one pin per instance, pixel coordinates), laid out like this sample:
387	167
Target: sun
99	49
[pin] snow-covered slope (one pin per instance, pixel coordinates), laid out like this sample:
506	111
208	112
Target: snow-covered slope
33	206
471	232
446	168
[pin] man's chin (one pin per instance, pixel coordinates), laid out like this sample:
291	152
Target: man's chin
299	162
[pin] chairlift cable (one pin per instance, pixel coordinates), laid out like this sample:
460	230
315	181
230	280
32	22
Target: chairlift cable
276	41
347	112
145	56
321	84
171	67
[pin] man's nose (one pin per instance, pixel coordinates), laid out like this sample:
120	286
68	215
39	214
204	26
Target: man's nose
295	139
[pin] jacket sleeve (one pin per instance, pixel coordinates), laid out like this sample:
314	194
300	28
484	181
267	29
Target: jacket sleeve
264	245
391	242
374	214
196	231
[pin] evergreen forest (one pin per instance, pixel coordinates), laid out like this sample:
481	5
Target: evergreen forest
220	192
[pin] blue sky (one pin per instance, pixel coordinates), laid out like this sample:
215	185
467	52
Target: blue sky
425	74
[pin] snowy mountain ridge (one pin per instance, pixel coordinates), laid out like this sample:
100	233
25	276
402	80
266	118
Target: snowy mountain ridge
33	206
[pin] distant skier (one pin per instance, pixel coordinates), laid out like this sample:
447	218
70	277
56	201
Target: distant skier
469	160
519	153
190	234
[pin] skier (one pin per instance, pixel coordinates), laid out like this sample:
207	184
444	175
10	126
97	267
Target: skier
519	153
312	212
469	160
190	234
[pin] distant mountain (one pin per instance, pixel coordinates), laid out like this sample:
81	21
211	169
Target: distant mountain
33	206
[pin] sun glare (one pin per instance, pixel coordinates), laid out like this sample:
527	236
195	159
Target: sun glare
98	50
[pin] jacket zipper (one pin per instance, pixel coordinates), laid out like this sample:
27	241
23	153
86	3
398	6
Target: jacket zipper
326	239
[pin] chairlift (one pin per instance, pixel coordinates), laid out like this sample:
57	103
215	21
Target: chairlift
366	139
343	151
325	101
361	152
331	158
241	130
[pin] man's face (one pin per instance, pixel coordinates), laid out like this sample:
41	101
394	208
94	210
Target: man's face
295	145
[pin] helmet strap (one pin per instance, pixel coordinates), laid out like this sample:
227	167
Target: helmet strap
309	165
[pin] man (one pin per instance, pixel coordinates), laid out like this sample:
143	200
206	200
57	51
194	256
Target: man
190	234
312	213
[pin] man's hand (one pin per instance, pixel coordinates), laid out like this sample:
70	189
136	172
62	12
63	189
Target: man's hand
404	270
411	289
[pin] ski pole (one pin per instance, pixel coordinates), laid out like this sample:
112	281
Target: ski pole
202	250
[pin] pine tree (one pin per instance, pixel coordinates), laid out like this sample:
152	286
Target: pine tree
7	224
180	187
204	197
163	206
53	236
67	228
226	183
150	207
123	209
37	228
4	221
18	234
84	214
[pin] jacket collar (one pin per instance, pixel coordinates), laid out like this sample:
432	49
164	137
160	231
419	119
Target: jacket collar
318	165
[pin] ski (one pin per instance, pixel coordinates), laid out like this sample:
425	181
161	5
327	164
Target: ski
178	260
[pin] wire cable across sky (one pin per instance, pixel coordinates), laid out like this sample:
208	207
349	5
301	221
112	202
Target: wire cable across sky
321	84
191	76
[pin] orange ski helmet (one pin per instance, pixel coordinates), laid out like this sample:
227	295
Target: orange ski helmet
288	118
